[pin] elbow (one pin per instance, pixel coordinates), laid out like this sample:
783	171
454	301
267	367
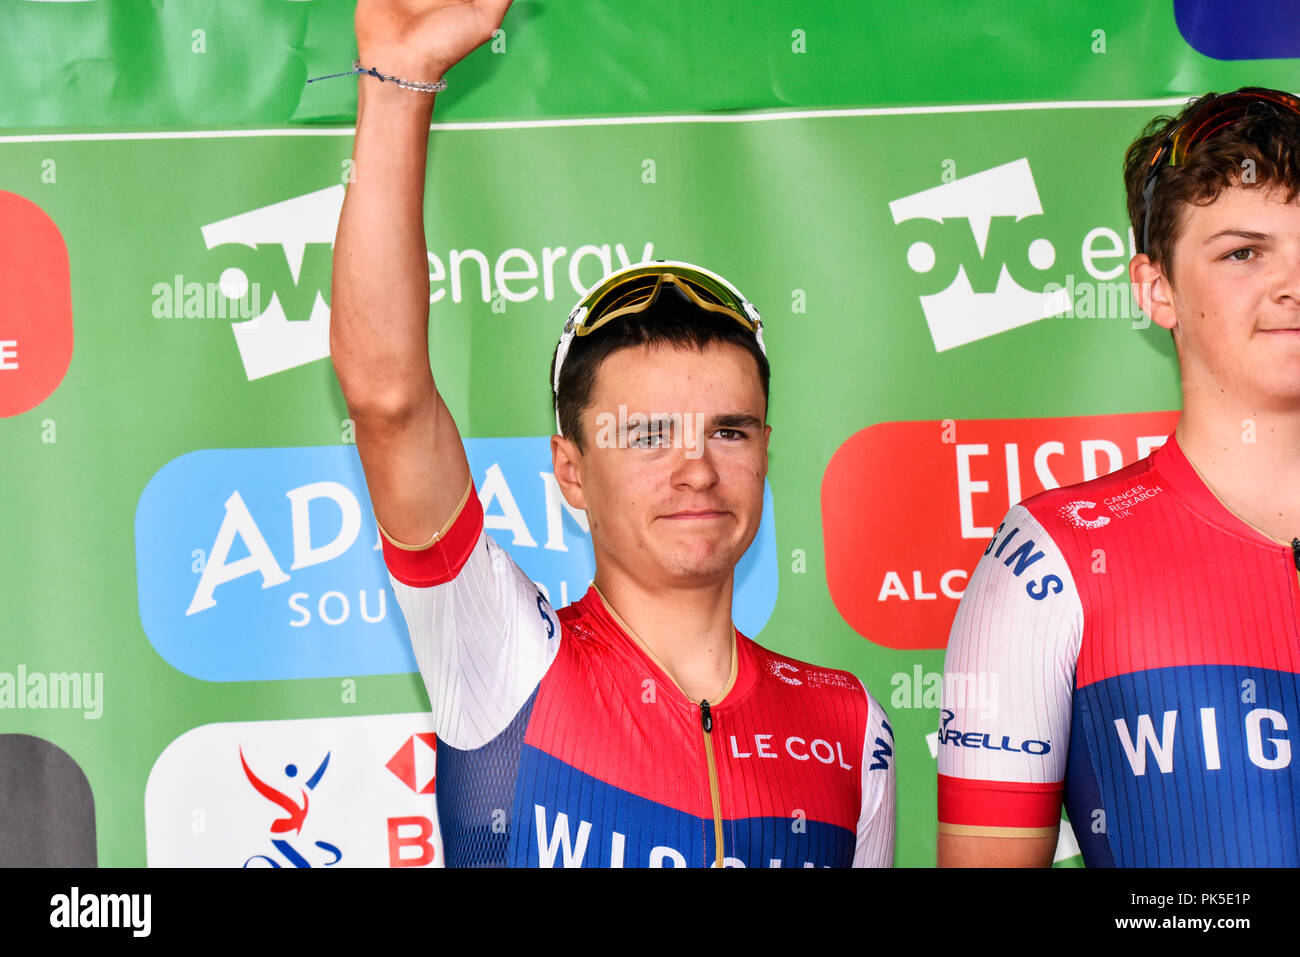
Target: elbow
382	389
387	406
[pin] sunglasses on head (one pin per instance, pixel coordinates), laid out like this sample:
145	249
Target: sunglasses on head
1206	121
637	288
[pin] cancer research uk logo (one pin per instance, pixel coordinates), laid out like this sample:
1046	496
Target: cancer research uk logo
259	564
316	792
958	314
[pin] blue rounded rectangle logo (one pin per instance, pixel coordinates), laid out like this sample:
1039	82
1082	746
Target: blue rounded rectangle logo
265	564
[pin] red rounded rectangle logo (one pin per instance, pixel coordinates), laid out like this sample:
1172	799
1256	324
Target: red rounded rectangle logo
907	507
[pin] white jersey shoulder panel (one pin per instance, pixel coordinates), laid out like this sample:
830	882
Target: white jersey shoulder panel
483	642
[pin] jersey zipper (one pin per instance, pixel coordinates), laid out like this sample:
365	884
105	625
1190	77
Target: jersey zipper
1295	553
706	721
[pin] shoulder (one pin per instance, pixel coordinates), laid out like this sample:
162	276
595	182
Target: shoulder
1047	541
578	616
1077	511
823	688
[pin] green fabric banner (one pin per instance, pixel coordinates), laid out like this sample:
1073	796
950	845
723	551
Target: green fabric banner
923	200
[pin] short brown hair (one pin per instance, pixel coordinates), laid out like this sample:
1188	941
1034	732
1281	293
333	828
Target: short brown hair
1268	139
672	321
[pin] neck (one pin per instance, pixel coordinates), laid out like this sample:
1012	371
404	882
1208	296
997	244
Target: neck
687	629
1249	457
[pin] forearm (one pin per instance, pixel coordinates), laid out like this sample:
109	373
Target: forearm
380	293
410	448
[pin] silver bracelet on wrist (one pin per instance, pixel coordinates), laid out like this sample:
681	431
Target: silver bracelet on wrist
421	86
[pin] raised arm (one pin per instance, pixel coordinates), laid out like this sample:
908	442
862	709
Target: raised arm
409	445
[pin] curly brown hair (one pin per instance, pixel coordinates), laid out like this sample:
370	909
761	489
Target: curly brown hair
1262	149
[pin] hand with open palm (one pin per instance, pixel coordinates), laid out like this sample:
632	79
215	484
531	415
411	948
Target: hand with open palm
422	39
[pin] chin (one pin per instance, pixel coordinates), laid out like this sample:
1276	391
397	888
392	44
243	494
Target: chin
694	568
1282	388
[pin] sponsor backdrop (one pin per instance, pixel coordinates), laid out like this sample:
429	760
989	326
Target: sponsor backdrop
201	661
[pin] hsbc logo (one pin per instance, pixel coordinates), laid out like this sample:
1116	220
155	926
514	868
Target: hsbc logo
958	314
413	762
314	792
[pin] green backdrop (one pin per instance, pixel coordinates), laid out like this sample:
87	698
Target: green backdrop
788	146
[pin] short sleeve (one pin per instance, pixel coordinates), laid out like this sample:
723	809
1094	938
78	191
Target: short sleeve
1008	686
875	843
482	632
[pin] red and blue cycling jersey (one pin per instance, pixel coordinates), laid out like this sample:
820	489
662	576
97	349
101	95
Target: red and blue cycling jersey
561	742
1136	647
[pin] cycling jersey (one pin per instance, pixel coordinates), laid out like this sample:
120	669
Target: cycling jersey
562	743
1130	646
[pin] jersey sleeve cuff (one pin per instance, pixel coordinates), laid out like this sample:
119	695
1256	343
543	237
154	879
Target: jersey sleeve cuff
441	558
998	808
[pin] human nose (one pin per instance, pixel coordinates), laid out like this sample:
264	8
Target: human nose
1287	289
694	466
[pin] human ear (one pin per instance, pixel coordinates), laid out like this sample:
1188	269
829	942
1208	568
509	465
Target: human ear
1152	290
566	462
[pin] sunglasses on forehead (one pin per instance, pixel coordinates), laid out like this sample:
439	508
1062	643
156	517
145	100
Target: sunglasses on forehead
637	288
1206	121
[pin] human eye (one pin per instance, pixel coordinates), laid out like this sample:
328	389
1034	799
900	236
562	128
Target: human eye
1236	255
652	438
731	435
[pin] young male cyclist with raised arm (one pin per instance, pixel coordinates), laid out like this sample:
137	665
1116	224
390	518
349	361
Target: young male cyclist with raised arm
1155	691
637	726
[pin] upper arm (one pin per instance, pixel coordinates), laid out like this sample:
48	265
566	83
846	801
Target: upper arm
410	448
1007	698
414	462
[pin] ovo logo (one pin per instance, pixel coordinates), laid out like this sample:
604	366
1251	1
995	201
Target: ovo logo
287	246
958	315
35	305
